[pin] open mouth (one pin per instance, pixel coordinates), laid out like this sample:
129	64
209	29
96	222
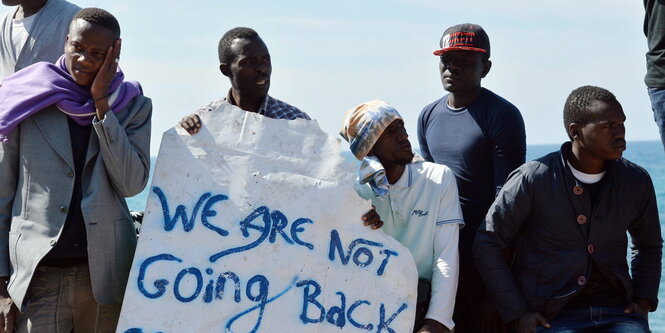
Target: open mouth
262	82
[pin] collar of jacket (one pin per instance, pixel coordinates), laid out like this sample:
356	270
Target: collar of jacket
567	148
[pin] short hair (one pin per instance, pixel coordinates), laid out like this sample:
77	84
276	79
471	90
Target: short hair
224	47
99	17
578	102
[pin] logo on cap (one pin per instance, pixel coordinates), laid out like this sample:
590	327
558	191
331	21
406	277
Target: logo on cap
464	37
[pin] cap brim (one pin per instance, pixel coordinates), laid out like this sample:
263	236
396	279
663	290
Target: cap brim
458	48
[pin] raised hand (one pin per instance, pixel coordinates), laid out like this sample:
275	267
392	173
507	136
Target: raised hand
100	86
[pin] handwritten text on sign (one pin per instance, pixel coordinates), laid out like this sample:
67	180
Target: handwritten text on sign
216	260
268	226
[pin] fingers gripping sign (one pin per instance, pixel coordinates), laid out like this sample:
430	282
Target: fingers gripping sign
191	123
100	86
372	219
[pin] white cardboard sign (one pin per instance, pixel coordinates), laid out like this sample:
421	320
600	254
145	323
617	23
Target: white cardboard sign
252	225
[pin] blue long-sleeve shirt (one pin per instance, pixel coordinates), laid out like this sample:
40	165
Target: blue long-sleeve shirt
482	143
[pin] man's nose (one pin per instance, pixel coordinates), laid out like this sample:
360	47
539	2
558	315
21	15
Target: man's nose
84	58
403	135
619	132
263	67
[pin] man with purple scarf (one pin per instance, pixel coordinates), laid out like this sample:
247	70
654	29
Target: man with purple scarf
75	143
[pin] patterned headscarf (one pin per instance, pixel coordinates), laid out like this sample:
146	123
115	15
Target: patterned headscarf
364	124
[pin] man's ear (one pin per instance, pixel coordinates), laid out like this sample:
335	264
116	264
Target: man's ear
574	131
224	68
66	40
486	67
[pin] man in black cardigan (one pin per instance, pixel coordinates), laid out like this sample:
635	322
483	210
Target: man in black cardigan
566	215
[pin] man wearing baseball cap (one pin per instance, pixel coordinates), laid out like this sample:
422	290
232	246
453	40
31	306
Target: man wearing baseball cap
481	137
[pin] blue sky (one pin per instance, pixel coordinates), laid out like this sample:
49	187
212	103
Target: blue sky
329	56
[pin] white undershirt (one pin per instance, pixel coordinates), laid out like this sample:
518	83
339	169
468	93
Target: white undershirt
20	28
586	178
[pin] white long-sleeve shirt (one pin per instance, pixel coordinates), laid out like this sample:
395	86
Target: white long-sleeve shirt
422	211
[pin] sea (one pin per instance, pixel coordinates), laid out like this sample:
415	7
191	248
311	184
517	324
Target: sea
648	154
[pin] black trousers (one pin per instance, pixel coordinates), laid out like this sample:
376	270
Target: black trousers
474	311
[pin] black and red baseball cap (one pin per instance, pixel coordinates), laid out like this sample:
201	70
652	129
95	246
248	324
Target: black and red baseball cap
464	37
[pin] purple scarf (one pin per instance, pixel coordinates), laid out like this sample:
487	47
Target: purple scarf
43	84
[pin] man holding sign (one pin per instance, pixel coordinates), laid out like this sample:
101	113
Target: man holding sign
417	201
245	60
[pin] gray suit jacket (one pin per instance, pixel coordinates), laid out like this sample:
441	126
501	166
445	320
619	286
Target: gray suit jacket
46	41
36	185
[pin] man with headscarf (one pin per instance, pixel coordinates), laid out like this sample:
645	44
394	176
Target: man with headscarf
76	141
417	202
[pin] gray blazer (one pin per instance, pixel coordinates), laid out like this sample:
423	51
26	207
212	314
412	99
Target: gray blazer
36	184
46	41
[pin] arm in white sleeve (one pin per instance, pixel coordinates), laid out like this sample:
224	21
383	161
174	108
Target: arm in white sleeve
445	272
